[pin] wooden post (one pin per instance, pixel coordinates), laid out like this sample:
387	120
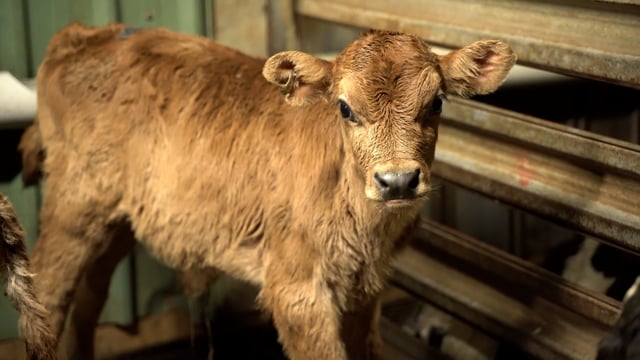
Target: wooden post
242	24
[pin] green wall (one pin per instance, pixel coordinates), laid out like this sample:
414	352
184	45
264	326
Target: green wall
27	25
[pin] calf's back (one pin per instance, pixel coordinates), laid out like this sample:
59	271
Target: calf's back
186	138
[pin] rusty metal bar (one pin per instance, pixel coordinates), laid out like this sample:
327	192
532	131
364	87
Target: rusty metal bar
590	39
576	178
475	289
602	151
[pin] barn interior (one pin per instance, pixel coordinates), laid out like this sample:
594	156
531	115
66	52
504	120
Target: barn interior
530	238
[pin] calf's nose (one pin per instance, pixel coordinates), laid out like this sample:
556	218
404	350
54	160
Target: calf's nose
397	185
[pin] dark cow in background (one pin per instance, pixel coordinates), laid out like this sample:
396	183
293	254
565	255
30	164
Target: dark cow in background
623	341
605	269
297	174
595	265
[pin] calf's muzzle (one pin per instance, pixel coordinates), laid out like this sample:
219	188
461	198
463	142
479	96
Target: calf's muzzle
397	185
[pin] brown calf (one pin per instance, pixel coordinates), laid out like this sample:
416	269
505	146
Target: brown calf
305	187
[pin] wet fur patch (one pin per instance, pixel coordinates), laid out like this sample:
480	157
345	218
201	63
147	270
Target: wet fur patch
128	31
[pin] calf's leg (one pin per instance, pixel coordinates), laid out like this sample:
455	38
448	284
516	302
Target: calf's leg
360	332
74	231
91	295
58	261
302	306
307	322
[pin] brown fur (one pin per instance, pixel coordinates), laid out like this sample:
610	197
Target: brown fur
184	141
14	268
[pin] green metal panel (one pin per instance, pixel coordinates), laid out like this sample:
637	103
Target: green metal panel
155	289
185	16
156	285
13	38
118	308
46	17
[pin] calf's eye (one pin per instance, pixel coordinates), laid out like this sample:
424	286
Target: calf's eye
345	111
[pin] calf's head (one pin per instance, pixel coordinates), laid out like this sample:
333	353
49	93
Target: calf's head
387	88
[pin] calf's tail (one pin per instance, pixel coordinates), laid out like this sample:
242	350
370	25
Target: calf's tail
14	268
32	155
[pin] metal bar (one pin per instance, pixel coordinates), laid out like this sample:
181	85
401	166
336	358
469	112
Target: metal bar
527	278
530	322
589	39
545	334
618	155
573	177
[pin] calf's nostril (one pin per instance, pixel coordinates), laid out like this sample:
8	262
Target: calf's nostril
380	181
415	180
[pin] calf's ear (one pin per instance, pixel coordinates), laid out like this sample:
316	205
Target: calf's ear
302	78
476	69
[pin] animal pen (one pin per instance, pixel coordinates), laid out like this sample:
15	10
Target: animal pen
552	154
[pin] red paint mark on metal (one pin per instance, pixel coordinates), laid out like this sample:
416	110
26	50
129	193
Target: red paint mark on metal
524	174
